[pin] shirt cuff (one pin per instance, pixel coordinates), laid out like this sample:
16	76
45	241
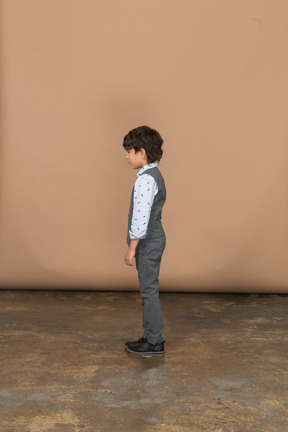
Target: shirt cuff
133	237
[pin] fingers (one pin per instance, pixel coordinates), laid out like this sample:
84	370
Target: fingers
128	258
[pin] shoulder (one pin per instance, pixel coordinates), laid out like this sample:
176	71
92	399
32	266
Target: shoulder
146	175
147	178
154	173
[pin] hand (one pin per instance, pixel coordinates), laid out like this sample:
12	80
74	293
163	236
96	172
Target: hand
128	258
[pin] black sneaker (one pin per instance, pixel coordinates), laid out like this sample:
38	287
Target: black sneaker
140	340
147	348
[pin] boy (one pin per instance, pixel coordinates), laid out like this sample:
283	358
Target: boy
146	237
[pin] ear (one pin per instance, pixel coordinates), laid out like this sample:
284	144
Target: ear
143	153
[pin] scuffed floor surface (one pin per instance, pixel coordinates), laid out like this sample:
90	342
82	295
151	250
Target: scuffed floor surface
64	367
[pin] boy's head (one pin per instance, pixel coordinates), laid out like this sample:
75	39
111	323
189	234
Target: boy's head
143	137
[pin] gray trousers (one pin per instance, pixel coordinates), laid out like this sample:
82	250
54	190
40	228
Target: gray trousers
148	259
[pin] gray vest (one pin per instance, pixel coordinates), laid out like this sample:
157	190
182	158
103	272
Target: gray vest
155	229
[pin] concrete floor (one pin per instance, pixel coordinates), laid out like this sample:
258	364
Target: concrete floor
64	367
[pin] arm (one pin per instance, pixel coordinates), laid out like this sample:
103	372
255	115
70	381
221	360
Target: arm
145	190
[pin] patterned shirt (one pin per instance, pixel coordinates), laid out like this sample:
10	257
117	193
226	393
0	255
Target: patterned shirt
145	189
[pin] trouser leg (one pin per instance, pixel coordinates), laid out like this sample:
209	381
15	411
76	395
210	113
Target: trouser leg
148	267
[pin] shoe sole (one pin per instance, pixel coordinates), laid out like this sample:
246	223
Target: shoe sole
148	353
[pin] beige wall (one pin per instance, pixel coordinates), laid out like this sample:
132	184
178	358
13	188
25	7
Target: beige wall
211	76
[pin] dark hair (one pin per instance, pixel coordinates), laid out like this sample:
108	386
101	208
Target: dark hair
146	138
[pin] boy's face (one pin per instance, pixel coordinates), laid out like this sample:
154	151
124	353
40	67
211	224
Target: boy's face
136	160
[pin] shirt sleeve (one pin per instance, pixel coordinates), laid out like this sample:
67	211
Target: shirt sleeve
145	190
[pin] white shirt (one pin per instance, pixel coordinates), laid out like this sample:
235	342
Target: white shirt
145	189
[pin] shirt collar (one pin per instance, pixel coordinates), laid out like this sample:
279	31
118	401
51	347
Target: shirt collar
151	165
